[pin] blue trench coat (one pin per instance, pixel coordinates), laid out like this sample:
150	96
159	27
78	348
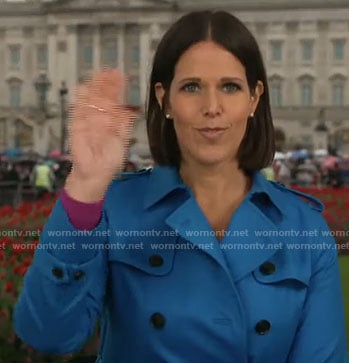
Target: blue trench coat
167	291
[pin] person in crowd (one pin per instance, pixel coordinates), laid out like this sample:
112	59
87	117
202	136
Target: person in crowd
217	279
268	172
307	174
42	178
336	176
11	174
283	172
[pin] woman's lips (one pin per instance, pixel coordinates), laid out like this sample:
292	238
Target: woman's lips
212	133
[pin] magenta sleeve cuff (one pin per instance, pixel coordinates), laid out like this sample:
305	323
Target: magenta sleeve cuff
84	216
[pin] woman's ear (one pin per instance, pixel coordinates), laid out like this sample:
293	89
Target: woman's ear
259	90
160	94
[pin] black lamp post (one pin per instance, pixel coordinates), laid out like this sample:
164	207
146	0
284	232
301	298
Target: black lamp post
17	139
42	85
321	128
63	91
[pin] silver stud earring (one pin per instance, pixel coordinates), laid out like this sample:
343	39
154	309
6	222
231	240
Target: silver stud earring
168	116
251	114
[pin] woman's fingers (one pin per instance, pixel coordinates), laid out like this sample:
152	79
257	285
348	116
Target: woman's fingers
108	84
125	126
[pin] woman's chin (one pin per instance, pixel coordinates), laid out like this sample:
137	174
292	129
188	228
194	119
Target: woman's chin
212	159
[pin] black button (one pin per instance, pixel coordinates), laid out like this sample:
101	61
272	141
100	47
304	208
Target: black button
158	320
57	272
262	327
267	268
79	275
156	260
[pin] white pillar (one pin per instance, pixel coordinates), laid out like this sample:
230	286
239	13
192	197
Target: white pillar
96	48
322	48
62	57
40	139
71	76
3	90
320	140
145	62
52	64
121	47
290	89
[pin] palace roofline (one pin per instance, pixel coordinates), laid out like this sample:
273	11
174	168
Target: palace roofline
41	7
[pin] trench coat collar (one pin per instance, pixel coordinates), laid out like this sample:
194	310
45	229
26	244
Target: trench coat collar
163	180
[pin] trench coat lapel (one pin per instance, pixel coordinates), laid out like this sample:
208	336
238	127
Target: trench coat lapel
241	253
247	244
191	225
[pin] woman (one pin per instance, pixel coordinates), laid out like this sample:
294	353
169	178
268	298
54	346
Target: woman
192	261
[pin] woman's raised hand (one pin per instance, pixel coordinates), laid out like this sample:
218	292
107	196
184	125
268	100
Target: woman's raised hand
100	128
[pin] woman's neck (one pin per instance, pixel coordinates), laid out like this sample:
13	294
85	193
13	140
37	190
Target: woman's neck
215	181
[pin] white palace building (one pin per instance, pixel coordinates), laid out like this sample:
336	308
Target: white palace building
48	46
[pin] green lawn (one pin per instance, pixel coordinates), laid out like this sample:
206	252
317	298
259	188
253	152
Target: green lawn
344	263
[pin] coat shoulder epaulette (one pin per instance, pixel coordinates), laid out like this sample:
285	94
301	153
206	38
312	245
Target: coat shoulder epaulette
313	202
126	175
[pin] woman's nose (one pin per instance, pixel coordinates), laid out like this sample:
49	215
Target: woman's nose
212	104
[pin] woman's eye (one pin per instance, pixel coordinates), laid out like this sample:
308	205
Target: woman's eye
190	87
231	87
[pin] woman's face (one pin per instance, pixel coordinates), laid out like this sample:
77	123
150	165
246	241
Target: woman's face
210	103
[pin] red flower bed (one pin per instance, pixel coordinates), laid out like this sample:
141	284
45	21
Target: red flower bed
20	230
336	213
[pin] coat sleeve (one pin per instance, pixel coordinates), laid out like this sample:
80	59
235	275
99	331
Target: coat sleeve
64	288
321	336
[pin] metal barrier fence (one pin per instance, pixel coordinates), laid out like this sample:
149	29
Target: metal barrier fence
13	193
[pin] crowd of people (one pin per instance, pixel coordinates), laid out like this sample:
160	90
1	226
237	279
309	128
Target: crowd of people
38	176
47	175
332	171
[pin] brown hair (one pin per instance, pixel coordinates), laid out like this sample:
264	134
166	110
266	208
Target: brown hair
257	148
